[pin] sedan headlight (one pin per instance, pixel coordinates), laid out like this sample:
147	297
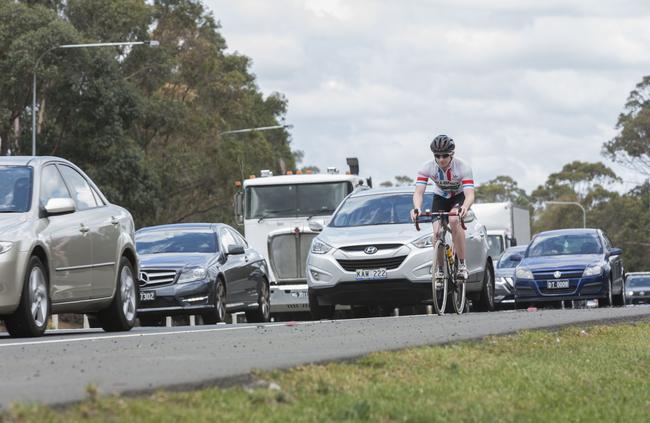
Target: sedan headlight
424	242
593	270
630	293
319	247
192	274
523	273
5	246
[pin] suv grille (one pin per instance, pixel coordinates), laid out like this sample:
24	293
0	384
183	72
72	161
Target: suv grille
151	277
385	263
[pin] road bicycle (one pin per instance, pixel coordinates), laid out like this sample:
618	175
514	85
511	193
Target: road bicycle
450	285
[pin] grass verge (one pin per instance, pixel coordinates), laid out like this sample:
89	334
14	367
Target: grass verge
600	373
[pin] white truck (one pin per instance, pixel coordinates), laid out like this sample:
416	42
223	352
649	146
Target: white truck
276	212
507	225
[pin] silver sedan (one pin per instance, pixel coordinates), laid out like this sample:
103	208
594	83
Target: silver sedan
371	254
63	248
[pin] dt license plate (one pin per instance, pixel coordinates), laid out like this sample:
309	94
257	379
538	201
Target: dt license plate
557	284
369	274
147	295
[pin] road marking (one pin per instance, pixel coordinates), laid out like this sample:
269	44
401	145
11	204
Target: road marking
135	335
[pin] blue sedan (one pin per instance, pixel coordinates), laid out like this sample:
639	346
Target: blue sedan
570	264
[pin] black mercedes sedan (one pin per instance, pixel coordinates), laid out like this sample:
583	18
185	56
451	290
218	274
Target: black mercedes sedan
204	269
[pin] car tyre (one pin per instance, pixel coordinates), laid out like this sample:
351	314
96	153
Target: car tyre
608	300
263	311
486	299
32	315
218	314
620	300
121	314
319	312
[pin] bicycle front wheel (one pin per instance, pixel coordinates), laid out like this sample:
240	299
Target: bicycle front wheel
456	288
439	284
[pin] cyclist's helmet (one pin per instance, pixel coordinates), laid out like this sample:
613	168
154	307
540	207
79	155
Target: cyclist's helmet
442	144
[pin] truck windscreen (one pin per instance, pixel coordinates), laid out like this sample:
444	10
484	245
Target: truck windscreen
298	200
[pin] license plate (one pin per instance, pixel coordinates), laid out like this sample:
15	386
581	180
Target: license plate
557	284
147	296
369	274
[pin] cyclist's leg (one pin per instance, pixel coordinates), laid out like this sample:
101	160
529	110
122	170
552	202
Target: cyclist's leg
458	235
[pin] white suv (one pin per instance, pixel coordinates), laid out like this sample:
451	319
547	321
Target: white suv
371	254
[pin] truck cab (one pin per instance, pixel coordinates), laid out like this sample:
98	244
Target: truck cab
507	225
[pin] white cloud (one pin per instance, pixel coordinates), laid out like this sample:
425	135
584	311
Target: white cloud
523	86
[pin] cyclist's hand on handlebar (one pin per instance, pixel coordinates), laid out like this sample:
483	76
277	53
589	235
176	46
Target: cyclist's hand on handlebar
414	214
462	212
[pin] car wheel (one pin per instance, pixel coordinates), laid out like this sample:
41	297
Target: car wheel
318	311
121	314
620	300
486	300
152	320
608	300
218	314
30	319
263	311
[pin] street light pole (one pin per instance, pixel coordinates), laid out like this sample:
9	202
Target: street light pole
572	203
151	43
261	128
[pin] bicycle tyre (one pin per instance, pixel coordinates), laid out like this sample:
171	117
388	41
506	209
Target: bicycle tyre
456	290
439	293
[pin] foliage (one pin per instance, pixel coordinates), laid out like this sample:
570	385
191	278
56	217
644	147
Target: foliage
501	189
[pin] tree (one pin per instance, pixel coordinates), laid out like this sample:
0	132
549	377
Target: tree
631	147
386	184
500	189
403	180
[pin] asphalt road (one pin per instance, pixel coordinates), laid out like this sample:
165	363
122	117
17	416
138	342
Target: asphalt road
57	368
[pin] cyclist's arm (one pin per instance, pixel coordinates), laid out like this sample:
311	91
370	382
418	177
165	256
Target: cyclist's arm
418	196
468	190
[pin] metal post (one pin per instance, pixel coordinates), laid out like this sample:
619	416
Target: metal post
34	113
192	320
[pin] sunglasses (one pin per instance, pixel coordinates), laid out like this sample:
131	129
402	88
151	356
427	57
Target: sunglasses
441	156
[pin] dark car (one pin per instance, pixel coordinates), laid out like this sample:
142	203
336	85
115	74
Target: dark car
504	274
571	264
637	287
201	269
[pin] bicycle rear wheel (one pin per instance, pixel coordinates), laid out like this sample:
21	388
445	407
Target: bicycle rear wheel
456	287
439	286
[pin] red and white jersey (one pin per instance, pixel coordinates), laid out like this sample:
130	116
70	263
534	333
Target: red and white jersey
449	182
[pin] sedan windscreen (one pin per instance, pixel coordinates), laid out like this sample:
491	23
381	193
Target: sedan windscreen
376	210
567	244
15	189
156	242
638	282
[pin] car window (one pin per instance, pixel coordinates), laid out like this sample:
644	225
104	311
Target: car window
638	282
227	239
81	191
175	241
565	244
52	185
382	209
240	239
15	189
608	243
98	198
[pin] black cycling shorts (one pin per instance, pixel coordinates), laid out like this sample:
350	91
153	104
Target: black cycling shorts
442	204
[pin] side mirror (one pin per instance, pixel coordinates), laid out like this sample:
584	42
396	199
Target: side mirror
57	206
470	216
315	226
513	241
238	203
516	257
615	252
235	249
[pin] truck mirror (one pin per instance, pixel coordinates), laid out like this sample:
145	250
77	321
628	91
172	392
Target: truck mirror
238	203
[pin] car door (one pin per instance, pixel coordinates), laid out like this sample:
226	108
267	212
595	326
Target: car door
250	272
234	268
475	244
69	245
103	231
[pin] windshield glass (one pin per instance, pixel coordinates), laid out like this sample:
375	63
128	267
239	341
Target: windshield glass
638	281
495	246
15	189
558	245
176	241
506	261
384	209
295	200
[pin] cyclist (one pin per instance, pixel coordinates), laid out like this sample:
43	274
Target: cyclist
453	189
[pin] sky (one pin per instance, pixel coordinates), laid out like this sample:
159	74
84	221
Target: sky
523	86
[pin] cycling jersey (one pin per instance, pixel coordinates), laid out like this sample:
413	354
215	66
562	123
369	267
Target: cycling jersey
447	183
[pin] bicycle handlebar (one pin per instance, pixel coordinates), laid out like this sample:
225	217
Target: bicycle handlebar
431	214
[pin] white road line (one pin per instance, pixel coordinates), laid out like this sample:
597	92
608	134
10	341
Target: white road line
135	335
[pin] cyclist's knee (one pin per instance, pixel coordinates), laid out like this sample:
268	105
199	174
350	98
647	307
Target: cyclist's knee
454	222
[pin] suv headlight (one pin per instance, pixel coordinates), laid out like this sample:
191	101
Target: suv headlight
319	247
5	246
593	270
523	273
424	242
192	274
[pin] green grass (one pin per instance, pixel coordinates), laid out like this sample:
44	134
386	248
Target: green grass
600	373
